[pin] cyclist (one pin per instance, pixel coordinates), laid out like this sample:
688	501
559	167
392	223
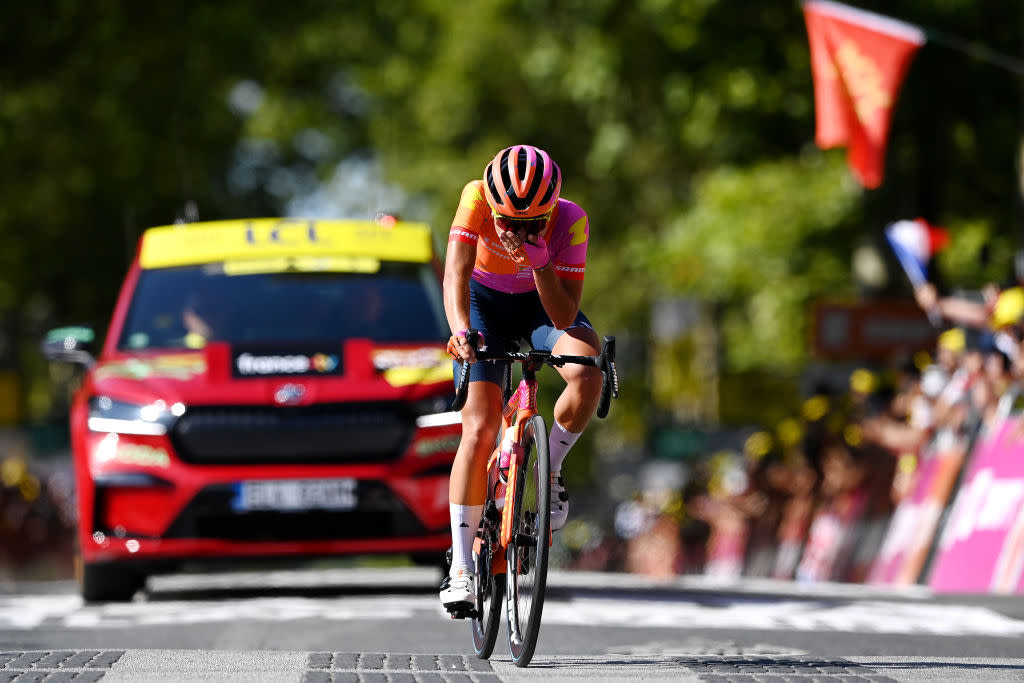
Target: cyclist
514	270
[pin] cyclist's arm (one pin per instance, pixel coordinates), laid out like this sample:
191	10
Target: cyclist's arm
460	260
963	311
560	296
458	269
960	311
560	285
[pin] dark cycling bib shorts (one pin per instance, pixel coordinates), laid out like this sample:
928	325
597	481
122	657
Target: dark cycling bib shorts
504	319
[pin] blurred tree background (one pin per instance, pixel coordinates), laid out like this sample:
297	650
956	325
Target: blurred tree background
684	127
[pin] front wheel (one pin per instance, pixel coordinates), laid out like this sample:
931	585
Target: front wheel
527	553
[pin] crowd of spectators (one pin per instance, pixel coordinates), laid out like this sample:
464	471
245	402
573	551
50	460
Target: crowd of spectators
812	498
37	515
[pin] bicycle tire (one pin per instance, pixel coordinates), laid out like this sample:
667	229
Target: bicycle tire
527	553
490	591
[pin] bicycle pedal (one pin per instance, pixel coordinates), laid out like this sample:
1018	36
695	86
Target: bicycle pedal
461	611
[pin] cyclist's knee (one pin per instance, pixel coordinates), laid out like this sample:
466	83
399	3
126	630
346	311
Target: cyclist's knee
592	382
481	418
480	438
584	380
577	341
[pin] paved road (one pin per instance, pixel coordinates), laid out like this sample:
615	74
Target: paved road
342	625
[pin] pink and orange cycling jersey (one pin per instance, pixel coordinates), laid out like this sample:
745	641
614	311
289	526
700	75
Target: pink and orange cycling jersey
566	235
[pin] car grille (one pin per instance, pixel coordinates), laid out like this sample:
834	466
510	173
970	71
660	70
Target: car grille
379	515
323	433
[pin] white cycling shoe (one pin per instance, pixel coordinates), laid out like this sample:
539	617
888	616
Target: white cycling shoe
458	592
559	502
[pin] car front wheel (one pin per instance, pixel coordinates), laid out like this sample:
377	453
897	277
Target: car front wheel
110	582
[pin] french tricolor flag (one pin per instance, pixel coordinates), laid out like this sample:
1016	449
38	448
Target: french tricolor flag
915	242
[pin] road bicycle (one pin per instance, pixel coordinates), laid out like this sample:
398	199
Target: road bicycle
514	537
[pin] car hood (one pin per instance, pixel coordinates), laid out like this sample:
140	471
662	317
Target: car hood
285	374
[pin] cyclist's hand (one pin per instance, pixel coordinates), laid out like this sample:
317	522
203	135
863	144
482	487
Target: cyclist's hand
990	293
460	350
526	253
926	296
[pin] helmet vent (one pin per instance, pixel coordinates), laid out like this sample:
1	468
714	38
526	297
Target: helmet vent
538	176
506	177
552	185
495	195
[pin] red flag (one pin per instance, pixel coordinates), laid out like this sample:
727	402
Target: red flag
858	60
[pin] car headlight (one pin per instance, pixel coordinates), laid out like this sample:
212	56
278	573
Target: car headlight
436	412
152	419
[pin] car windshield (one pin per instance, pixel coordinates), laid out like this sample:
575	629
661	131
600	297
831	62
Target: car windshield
185	307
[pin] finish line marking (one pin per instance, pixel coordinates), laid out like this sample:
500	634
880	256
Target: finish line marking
22	613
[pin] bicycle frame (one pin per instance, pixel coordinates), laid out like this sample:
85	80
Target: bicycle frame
517	413
523	405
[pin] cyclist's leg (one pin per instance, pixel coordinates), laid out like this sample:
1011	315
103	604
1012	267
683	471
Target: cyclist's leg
481	419
576	404
579	399
467	488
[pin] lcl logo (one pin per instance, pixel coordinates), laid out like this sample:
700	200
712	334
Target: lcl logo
284	231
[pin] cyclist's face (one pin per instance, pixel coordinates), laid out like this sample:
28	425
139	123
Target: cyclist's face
526	229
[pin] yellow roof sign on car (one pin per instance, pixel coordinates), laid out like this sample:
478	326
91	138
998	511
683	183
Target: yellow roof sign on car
270	238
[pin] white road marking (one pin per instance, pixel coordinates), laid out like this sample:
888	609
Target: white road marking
856	617
27	612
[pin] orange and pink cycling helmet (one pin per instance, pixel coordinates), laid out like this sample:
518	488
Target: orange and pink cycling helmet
522	181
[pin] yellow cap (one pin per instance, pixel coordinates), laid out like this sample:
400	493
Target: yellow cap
789	432
863	381
815	408
758	445
953	340
1009	308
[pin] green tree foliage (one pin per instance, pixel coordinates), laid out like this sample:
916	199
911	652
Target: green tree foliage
761	242
684	127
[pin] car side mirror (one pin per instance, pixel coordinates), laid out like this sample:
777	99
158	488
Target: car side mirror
73	344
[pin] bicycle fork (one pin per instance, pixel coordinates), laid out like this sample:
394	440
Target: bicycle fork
521	406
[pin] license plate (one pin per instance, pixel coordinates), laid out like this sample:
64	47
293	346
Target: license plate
296	495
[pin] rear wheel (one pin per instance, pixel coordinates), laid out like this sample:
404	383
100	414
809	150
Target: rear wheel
110	582
527	553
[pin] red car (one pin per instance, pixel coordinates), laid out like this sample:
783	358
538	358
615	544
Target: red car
266	388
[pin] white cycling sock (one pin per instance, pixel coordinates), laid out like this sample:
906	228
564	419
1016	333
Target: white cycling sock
559	442
465	520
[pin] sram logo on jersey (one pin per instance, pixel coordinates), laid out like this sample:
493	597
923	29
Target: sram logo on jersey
264	363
